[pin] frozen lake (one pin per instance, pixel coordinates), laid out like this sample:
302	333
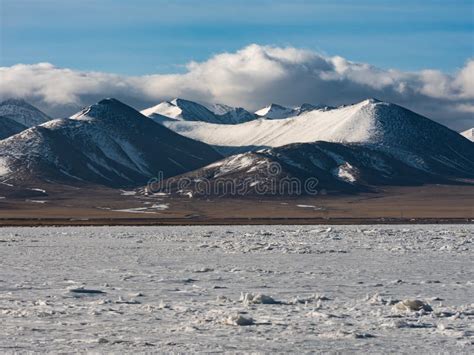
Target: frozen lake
183	289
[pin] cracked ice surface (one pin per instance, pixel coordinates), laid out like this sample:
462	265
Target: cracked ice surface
237	288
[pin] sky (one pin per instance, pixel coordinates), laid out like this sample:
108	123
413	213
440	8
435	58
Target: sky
420	52
158	36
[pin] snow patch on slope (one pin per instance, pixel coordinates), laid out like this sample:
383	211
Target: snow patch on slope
354	123
165	108
235	163
345	172
469	134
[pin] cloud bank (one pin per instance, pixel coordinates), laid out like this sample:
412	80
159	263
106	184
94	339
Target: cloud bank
253	77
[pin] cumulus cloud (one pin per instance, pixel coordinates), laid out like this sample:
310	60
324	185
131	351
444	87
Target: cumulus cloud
253	77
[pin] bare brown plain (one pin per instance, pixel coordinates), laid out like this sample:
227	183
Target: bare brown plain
64	205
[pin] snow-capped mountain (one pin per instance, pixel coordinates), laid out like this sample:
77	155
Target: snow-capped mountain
107	143
310	107
228	114
347	149
181	110
469	134
185	110
9	127
355	123
390	128
275	112
302	169
22	112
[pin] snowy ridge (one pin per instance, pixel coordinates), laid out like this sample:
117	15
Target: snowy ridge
310	107
166	108
356	123
398	131
185	110
274	111
469	134
230	115
409	139
22	112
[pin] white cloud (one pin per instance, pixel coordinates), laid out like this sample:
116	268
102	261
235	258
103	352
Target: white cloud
253	77
465	80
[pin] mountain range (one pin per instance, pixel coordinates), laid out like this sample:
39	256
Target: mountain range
386	127
107	143
346	149
185	110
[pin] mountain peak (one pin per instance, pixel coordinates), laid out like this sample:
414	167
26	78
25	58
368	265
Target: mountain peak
276	111
108	143
177	101
186	110
22	112
372	100
469	134
277	106
109	101
107	109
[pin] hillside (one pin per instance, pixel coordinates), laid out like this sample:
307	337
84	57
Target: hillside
107	143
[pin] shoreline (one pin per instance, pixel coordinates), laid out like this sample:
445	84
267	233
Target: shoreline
83	222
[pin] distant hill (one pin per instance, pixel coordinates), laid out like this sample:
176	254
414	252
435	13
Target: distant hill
107	143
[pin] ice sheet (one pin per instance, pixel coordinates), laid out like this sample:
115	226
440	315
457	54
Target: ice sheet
204	288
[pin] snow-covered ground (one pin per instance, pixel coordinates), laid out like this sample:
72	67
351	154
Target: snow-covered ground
184	289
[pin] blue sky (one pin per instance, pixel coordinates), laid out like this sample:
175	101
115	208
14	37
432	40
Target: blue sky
144	36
